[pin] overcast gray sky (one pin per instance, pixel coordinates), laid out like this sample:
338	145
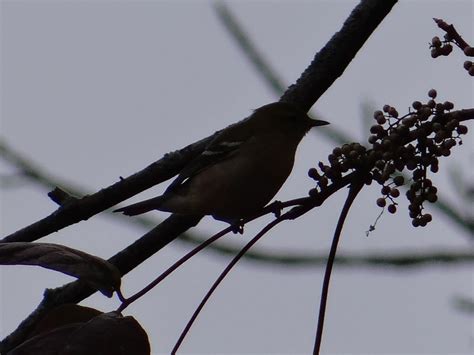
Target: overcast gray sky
94	90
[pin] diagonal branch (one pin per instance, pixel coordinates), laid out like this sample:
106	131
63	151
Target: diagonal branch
317	78
399	260
83	208
335	56
264	68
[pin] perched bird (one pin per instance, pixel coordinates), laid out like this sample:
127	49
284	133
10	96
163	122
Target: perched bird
240	170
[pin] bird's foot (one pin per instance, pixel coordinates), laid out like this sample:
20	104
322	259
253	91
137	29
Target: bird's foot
237	226
276	207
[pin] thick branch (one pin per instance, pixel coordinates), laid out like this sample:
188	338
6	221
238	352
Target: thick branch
275	83
263	67
88	206
325	69
327	66
333	59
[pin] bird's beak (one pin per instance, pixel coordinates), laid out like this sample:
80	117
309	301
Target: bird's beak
314	123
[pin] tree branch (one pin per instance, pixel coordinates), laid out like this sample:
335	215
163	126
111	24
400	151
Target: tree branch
83	208
333	59
271	78
327	66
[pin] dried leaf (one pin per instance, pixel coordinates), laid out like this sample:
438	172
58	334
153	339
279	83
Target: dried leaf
106	334
63	315
98	272
49	343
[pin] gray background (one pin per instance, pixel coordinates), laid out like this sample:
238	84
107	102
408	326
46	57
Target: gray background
94	90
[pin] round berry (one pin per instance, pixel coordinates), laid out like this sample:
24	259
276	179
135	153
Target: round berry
431	197
409	121
399	180
381	202
461	129
440	107
385	190
423	222
432	190
432	93
337	151
372	139
447	48
445	152
418	174
448	105
394	192
436	42
313	173
416	105
376	129
392	208
411	164
469	51
393	112
377	114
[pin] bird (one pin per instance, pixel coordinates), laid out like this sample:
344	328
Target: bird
240	170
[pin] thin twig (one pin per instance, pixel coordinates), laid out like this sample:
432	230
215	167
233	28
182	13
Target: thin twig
223	275
452	33
128	301
355	188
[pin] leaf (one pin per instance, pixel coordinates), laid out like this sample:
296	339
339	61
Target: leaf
106	334
98	272
63	315
49	343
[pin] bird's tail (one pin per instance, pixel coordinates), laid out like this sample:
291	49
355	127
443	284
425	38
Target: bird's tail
142	207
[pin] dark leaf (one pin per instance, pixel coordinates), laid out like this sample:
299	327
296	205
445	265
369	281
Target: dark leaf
106	334
98	272
64	315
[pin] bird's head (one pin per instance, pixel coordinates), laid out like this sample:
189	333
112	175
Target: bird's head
286	117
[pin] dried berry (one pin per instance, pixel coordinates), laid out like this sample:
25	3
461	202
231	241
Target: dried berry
469	51
436	42
416	105
461	129
394	192
381	202
392	208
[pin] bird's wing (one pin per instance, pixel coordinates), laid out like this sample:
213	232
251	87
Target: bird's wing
225	145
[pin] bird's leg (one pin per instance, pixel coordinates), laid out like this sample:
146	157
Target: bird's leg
276	207
237	226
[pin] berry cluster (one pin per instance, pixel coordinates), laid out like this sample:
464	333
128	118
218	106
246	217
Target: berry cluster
349	157
413	142
439	48
469	66
445	47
